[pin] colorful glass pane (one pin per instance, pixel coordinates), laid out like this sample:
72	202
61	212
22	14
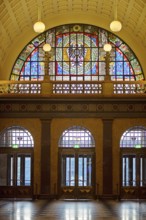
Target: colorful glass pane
38	40
18	66
50	36
136	67
41	54
126	50
27	51
102	37
119	56
115	40
77	54
34	55
14	77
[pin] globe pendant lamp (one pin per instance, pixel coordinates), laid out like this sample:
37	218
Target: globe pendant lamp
47	47
39	26
115	25
107	47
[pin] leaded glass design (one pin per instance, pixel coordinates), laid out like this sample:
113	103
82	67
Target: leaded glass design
76	137
16	137
134	138
78	55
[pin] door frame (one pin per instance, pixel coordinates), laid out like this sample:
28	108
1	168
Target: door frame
77	192
132	192
18	191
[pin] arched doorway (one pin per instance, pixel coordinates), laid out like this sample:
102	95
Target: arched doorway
133	163
16	159
76	164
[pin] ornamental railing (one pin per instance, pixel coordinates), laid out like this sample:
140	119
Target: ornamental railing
18	87
129	87
79	87
76	87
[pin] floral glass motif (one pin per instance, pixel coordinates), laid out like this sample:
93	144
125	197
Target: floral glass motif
78	55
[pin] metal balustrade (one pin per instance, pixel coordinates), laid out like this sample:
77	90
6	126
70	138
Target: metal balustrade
17	87
76	87
129	88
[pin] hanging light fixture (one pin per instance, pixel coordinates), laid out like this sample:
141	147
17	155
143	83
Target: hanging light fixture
39	26
107	47
115	25
47	47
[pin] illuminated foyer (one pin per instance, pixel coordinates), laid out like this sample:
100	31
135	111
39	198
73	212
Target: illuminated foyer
73	124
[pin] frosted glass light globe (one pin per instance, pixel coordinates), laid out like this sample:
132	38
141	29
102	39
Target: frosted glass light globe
47	47
39	27
115	26
107	47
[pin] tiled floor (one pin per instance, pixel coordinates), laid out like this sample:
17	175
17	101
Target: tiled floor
72	210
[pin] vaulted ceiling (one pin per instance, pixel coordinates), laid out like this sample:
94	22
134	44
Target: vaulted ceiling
18	16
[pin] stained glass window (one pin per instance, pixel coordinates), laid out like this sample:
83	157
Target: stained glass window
78	55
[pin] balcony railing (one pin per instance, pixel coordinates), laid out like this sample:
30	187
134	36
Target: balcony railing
76	87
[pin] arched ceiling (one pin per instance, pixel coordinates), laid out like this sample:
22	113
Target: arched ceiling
18	16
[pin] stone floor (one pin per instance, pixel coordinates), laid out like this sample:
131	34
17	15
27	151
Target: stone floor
72	210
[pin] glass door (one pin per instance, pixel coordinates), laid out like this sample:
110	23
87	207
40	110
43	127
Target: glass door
85	170
16	175
143	171
77	175
129	170
23	170
68	170
133	176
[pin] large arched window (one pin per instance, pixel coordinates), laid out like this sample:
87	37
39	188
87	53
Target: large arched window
78	55
133	163
76	137
16	137
76	158
16	162
134	137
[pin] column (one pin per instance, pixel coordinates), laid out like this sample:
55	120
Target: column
107	157
45	156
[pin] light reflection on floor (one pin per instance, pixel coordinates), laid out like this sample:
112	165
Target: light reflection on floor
72	210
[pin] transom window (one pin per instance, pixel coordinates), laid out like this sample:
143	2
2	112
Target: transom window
134	138
77	55
76	137
16	137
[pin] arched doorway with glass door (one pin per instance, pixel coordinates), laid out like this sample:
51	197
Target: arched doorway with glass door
76	164
133	163
16	159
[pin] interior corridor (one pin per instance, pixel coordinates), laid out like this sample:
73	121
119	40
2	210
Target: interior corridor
72	210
